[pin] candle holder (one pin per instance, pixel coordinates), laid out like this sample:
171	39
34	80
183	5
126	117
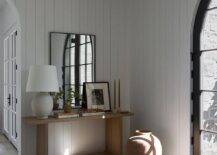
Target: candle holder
117	97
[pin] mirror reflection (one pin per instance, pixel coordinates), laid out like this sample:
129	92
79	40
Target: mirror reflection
74	57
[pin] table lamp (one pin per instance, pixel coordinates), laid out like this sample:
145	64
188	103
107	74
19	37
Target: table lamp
42	80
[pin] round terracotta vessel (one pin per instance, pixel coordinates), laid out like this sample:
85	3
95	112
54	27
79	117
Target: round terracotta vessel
144	143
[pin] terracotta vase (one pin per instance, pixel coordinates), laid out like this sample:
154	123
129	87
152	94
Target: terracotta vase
144	143
67	108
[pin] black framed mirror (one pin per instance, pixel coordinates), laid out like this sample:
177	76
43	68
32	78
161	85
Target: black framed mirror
74	55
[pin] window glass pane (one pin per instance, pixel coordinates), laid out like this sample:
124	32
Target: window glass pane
81	90
82	54
72	56
209	111
69	75
6	72
6	49
14	45
67	88
89	73
72	45
82	74
82	39
89	53
72	78
10	72
10	46
213	3
208	143
69	42
5	119
8	124
88	38
209	31
72	36
209	70
14	97
67	57
5	94
13	125
14	73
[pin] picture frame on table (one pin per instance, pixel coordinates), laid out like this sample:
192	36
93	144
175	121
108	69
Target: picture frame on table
96	95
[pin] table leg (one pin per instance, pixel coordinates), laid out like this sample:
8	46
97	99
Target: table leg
114	136
42	139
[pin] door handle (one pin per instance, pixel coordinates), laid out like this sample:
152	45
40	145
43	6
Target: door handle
9	99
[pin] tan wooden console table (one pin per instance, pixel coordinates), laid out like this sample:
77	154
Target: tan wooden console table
113	131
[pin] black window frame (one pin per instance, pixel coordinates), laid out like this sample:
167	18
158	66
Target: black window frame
196	75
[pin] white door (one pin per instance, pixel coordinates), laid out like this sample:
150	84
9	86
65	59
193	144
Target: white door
10	87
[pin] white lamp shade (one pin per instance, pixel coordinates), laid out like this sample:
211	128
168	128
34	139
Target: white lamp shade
42	78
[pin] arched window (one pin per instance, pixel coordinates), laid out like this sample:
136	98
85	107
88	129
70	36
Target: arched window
205	79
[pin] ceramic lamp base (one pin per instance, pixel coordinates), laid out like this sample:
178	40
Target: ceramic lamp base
42	105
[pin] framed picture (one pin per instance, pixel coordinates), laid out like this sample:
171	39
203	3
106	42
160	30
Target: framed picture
97	95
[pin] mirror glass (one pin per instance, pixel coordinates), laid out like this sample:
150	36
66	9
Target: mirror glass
74	57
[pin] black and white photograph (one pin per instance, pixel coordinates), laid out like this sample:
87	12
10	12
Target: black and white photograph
97	95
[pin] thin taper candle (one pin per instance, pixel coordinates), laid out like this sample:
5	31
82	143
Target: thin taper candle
119	94
114	94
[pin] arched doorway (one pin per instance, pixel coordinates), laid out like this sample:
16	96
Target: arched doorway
10	77
204	76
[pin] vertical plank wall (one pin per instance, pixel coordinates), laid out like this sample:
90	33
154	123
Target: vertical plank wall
144	42
160	77
107	20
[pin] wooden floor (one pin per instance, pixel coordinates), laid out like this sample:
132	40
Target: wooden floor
6	148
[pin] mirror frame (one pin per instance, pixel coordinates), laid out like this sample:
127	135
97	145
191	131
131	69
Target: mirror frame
94	56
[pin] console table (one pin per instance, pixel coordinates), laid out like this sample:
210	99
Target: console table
113	131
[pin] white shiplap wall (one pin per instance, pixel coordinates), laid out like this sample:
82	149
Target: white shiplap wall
107	20
144	42
160	77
